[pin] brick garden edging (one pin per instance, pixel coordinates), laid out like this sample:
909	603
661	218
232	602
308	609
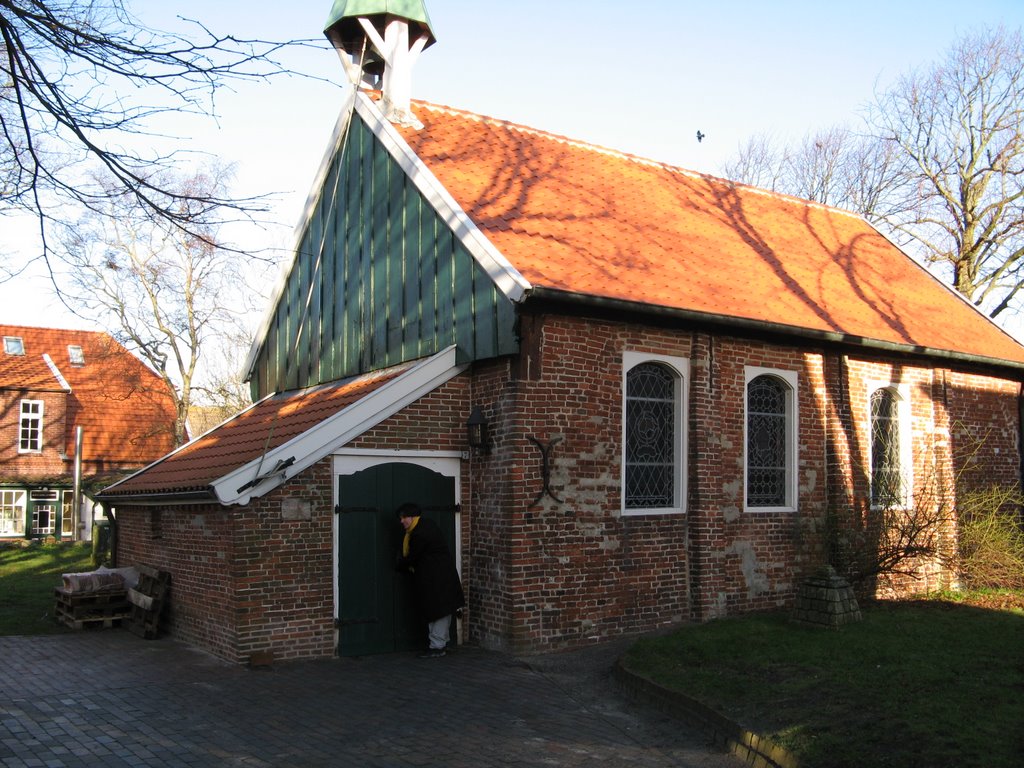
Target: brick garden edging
754	749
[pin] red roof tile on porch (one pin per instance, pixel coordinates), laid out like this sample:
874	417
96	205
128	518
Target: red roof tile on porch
270	423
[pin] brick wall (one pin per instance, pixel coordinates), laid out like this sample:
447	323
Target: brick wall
559	573
258	578
983	429
747	560
196	545
964	436
48	461
543	573
244	580
491	557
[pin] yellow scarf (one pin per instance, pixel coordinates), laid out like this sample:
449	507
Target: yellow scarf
405	541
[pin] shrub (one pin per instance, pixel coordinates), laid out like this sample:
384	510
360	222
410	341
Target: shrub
991	539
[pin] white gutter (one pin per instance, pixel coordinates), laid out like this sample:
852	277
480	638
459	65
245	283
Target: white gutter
505	276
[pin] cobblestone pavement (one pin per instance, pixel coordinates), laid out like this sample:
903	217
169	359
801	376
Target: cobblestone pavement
107	698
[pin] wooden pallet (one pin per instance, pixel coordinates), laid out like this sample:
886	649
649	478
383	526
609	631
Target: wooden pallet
94	622
82	603
147	601
80	610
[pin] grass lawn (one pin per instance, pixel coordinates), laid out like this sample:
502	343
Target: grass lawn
917	683
927	683
27	579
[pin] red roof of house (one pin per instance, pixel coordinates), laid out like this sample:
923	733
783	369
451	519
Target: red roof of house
586	220
262	427
126	412
579	218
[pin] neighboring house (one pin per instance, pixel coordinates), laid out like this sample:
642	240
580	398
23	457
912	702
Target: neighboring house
683	381
72	403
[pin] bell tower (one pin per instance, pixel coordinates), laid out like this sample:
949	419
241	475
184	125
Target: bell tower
378	42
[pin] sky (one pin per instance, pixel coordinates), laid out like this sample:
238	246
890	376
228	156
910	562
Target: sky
641	77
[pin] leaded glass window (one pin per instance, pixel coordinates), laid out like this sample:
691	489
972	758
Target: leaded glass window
650	439
886	469
767	449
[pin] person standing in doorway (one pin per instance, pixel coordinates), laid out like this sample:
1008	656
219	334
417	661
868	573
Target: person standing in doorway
435	579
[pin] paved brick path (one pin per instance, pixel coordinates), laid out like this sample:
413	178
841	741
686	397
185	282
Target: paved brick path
107	698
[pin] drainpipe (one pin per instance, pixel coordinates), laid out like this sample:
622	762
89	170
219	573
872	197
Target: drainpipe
76	495
1020	437
108	512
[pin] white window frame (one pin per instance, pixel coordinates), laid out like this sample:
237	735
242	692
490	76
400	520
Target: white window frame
681	367
905	436
14	345
67	518
76	355
51	527
791	379
13	505
23	417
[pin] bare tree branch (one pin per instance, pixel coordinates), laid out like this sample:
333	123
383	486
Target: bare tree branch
164	291
83	83
938	165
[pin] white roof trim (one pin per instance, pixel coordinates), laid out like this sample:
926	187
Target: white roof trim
260	476
56	372
508	279
183	446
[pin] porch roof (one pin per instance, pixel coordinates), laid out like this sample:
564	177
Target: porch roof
258	449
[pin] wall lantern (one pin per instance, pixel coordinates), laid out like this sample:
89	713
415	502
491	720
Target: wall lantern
477	431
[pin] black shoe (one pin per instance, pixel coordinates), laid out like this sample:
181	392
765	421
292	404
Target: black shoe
433	653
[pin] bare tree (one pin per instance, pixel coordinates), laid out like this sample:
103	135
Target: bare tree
959	128
834	166
164	291
760	162
938	164
79	80
222	393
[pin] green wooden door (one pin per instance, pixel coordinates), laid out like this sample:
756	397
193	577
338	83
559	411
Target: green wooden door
376	613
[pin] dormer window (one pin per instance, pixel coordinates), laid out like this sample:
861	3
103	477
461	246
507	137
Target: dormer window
76	355
14	345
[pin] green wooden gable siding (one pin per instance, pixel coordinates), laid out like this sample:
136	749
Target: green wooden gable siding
378	279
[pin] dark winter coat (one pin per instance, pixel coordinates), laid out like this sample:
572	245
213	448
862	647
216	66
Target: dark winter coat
435	579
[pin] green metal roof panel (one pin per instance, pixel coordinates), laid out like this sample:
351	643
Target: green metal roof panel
413	10
379	278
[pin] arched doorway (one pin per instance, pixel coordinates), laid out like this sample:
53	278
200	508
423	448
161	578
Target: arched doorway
375	609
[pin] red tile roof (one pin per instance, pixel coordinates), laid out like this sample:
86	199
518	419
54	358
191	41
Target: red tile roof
125	410
579	218
266	425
